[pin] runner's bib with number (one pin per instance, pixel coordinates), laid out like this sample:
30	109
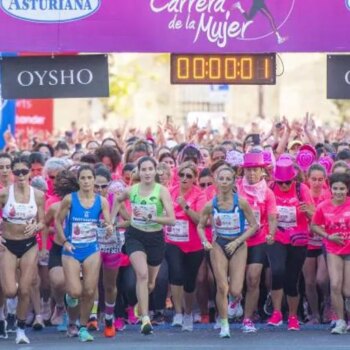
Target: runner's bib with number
112	244
179	232
141	212
287	216
84	232
227	224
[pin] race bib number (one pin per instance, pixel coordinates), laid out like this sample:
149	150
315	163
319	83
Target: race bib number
227	224
140	213
287	216
112	244
179	232
84	232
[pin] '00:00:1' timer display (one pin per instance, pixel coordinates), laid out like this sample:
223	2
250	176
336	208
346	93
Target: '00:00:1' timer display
245	69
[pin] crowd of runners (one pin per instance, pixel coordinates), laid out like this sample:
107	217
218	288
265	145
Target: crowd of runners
144	228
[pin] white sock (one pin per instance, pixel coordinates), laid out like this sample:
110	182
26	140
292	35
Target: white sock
12	305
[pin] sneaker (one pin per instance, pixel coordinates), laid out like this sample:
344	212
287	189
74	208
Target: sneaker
293	323
109	331
84	335
63	326
187	323
339	328
248	326
45	310
177	320
132	318
197	317
3	329
235	309
119	324
225	332
72	331
71	302
158	319
205	319
217	324
21	337
11	323
276	319
92	324
57	316
268	307
38	324
146	328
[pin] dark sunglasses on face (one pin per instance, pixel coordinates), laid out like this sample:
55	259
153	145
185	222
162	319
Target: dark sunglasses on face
284	182
187	176
20	172
205	184
101	187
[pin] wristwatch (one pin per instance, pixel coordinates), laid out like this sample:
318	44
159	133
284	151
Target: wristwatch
187	207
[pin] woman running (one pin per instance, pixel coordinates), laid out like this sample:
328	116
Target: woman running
229	249
144	240
332	222
23	216
80	247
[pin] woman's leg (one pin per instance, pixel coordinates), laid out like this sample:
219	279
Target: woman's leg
202	288
336	274
253	274
237	267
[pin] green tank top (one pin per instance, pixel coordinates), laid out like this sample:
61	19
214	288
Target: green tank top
143	206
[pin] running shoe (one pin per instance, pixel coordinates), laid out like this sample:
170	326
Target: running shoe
293	323
177	320
339	328
119	324
57	316
235	309
38	324
187	323
92	324
71	302
21	337
268	307
132	318
217	324
11	323
248	326
158	319
72	331
84	335
276	319
63	326
3	329
225	332
109	331
146	328
205	319
197	317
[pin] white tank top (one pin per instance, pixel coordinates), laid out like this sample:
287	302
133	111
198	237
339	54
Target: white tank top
19	213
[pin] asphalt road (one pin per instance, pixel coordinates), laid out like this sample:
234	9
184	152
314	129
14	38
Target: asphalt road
203	337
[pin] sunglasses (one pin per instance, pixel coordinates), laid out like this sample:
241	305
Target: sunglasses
205	184
187	176
20	172
101	187
284	183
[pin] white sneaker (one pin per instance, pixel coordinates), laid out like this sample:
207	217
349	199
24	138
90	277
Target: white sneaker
187	323
225	332
197	317
217	324
235	309
177	320
339	328
21	337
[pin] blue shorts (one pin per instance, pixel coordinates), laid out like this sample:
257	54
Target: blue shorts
82	253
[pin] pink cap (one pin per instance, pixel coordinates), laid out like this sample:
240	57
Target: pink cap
285	170
327	163
253	160
305	159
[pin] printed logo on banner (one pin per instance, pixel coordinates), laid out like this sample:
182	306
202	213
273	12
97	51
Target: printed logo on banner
50	10
219	21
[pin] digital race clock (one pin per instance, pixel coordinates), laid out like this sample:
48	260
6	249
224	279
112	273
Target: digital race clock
245	69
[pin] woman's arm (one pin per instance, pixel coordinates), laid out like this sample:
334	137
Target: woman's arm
118	200
169	218
249	215
203	219
37	225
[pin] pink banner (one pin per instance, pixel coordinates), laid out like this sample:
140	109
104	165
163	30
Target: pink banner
191	26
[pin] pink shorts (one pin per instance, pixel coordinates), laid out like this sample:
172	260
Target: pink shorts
113	261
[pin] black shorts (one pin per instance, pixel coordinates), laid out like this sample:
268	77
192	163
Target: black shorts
314	253
55	256
19	247
151	243
223	242
257	254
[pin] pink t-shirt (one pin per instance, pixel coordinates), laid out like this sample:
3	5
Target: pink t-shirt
184	234
261	212
334	219
293	224
315	241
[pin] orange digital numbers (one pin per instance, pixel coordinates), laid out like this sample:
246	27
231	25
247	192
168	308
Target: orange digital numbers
183	68
214	68
199	68
246	68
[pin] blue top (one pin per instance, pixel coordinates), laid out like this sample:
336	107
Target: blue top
81	224
228	223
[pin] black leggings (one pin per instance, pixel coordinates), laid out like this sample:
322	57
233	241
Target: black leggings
286	263
183	267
